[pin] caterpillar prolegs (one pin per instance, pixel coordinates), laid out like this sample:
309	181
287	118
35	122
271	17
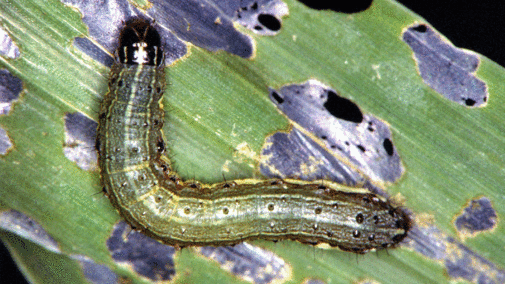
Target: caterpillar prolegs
151	197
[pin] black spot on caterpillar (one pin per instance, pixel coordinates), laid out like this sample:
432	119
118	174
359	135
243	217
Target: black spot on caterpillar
150	196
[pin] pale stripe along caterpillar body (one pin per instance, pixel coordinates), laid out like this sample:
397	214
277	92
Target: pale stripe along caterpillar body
141	185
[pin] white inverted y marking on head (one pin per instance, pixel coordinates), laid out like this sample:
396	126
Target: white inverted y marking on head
140	55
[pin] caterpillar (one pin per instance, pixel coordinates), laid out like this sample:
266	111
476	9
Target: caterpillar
139	181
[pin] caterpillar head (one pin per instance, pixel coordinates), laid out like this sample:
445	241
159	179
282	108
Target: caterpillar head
139	43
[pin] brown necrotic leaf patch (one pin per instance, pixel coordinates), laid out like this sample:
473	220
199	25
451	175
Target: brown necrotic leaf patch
478	216
446	68
251	263
146	256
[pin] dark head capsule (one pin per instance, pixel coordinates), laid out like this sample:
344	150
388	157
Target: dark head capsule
139	43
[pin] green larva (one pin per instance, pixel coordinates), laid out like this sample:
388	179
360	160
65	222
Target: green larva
151	197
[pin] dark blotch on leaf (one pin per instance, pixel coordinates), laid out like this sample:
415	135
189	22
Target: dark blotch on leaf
277	97
470	102
420	28
339	6
388	146
270	22
343	108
